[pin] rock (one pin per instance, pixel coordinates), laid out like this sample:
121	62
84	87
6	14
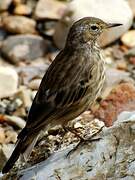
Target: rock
28	73
11	136
130	56
8	81
19	24
113	78
31	4
34	84
122	65
132	6
13	105
132	60
51	9
7	133
121	98
128	38
5	152
22	9
2	135
110	157
25	95
130	53
104	10
46	28
24	47
4	4
15	121
9	106
3	34
16	2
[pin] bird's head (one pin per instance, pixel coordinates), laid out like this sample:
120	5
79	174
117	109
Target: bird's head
88	29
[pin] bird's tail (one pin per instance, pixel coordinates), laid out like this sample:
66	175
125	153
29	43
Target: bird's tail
24	145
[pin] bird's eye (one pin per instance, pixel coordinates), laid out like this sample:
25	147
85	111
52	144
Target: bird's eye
94	27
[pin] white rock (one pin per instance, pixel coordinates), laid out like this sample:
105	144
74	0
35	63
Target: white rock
128	38
8	81
34	84
112	11
14	120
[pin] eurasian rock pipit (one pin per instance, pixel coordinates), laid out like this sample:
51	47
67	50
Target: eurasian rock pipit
71	84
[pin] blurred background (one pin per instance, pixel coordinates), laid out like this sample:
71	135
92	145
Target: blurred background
32	32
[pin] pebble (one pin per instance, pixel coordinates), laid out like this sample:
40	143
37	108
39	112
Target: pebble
16	2
15	121
22	9
128	38
51	9
13	105
11	136
24	48
78	125
19	24
5	152
3	34
122	65
4	4
2	136
46	27
103	9
132	5
34	84
8	81
28	73
130	53
25	95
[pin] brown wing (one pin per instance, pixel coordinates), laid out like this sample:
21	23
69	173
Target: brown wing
63	85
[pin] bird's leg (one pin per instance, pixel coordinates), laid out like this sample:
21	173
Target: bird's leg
83	141
73	131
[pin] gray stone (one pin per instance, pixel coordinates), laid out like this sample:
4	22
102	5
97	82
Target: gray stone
49	9
111	11
4	4
24	47
19	24
111	157
8	81
28	73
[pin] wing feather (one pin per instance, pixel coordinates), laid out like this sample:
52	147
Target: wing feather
58	90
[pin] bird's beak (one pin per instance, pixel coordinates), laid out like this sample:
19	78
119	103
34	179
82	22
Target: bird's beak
110	25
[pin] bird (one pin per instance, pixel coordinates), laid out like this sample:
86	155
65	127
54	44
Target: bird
69	87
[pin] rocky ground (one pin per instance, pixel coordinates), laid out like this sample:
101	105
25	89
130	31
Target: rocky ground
31	33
